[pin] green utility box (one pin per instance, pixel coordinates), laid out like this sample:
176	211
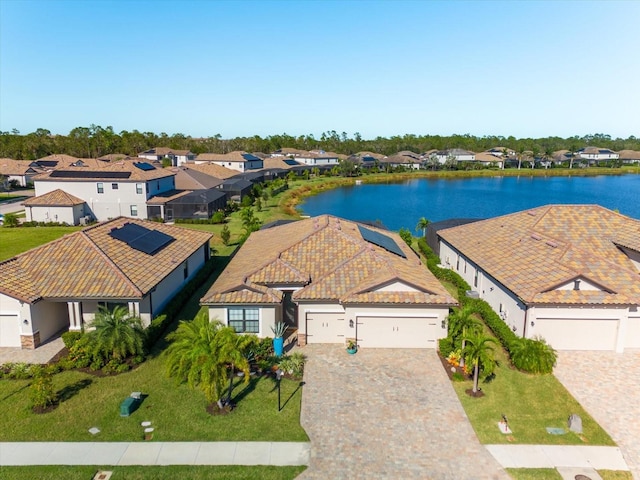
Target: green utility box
128	406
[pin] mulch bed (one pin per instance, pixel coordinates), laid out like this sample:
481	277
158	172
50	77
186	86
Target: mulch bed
213	409
450	369
47	409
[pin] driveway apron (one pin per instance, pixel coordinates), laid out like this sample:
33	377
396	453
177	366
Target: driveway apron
387	413
607	385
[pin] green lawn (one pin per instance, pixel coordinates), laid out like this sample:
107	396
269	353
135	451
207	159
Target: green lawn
552	474
531	403
226	472
176	412
20	239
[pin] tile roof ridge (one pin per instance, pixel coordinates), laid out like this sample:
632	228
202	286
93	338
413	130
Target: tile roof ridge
108	261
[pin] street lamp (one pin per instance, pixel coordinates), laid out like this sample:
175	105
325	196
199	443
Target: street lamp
279	375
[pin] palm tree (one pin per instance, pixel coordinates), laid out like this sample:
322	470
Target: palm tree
117	334
479	352
462	322
422	225
199	354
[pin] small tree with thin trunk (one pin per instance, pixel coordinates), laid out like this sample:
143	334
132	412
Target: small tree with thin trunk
117	334
478	352
461	323
423	223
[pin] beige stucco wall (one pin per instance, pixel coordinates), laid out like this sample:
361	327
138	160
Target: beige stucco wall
48	318
268	316
70	215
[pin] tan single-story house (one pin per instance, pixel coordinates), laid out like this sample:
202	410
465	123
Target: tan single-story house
567	273
124	261
332	280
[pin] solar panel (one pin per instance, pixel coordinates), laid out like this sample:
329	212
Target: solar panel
141	238
290	161
144	166
381	241
248	156
88	174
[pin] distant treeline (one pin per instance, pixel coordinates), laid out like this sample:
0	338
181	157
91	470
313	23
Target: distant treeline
95	141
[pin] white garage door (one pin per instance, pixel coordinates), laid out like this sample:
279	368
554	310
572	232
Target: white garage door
325	327
578	334
9	330
397	332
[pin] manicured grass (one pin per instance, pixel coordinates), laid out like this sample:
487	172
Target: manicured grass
534	474
14	241
177	412
225	472
531	403
552	474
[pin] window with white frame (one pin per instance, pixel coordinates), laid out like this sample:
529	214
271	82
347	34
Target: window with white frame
244	319
100	187
114	186
139	188
134	210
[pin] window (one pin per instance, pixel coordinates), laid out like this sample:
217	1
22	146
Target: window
114	186
100	187
475	279
244	320
458	263
139	188
186	269
134	210
157	185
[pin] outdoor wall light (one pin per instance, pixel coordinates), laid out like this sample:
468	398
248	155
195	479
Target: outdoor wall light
444	324
25	321
351	323
514	328
533	324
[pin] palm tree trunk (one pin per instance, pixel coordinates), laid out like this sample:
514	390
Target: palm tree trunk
231	382
476	368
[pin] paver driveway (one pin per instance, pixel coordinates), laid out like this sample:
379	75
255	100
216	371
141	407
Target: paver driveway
607	385
387	414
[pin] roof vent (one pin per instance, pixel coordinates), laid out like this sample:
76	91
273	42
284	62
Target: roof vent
535	236
551	244
533	214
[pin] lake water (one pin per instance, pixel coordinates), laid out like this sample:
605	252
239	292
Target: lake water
399	205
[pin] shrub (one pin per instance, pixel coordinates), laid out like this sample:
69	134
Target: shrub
218	217
70	338
41	392
458	377
19	371
445	346
263	349
11	220
534	356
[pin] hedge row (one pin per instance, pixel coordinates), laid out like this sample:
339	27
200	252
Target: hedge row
500	329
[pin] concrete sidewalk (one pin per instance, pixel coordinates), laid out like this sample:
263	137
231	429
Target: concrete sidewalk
154	453
558	456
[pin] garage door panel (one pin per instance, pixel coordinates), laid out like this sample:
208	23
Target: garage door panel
325	327
397	332
9	330
578	333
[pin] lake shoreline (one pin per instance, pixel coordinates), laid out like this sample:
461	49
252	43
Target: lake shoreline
432	194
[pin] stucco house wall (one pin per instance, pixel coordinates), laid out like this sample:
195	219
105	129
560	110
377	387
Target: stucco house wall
68	214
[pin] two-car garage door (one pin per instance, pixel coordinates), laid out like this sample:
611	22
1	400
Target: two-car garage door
374	332
397	332
578	334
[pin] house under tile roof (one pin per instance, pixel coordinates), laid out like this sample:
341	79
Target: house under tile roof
213	170
236	156
330	260
92	264
55	198
125	170
532	253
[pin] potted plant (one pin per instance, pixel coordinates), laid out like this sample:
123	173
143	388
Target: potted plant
278	341
352	347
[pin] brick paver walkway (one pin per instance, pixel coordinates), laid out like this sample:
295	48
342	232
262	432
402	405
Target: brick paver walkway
42	354
387	414
607	385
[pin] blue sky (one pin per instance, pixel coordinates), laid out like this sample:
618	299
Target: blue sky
527	69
